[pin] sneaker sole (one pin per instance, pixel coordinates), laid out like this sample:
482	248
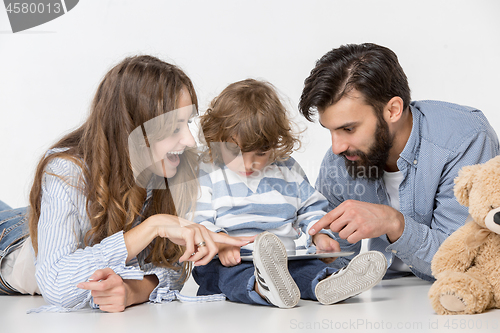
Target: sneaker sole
271	258
363	272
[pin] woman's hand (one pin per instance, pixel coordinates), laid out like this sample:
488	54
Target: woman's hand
113	294
200	242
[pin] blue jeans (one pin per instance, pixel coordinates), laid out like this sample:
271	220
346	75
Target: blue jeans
13	233
237	282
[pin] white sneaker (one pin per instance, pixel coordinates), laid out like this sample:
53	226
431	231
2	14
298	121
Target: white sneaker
363	272
271	271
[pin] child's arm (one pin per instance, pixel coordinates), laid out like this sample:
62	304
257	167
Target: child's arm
205	213
325	243
229	255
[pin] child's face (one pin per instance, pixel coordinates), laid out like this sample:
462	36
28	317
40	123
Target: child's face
244	164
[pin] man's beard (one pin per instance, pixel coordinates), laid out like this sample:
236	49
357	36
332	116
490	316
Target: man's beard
371	165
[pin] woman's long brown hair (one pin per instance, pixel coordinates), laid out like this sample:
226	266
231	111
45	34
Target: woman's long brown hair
136	90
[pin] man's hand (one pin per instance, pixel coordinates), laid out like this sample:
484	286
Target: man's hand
356	220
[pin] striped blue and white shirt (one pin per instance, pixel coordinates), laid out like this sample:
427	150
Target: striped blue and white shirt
63	261
278	199
444	138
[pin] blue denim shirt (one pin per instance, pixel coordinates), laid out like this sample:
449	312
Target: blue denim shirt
444	138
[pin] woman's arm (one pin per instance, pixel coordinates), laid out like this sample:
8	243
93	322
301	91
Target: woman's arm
62	262
181	232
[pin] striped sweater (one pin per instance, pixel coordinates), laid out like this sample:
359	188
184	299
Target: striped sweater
278	199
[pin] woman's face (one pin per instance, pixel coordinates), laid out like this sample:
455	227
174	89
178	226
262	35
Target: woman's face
166	153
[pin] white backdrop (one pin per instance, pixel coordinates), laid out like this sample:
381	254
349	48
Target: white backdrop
450	51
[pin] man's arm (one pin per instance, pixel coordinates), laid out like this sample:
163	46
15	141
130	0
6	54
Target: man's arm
421	239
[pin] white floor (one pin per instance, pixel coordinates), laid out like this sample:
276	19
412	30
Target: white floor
399	305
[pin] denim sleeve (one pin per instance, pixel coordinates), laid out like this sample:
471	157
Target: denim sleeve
421	239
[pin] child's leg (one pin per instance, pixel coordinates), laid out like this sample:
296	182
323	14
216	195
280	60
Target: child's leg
307	274
236	282
363	272
274	281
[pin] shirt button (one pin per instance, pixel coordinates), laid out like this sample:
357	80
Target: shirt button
410	266
394	251
415	162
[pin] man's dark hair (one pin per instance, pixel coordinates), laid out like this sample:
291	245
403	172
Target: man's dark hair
371	69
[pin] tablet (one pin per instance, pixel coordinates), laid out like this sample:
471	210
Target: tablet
302	254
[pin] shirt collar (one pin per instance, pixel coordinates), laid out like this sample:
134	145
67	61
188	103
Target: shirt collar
411	150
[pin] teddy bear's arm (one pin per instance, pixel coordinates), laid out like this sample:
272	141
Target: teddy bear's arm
453	254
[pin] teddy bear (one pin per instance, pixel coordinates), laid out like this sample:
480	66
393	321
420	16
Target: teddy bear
467	264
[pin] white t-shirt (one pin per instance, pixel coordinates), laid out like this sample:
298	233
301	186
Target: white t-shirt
392	181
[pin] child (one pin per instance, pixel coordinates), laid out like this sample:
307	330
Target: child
253	187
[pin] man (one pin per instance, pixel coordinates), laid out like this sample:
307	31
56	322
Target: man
389	175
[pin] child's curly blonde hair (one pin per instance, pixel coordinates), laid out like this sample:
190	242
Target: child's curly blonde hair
251	111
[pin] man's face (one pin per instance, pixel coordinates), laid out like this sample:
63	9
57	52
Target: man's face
358	135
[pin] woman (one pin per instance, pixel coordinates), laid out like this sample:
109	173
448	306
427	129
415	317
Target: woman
103	222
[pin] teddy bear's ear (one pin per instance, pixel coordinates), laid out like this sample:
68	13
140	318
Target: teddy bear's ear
463	183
